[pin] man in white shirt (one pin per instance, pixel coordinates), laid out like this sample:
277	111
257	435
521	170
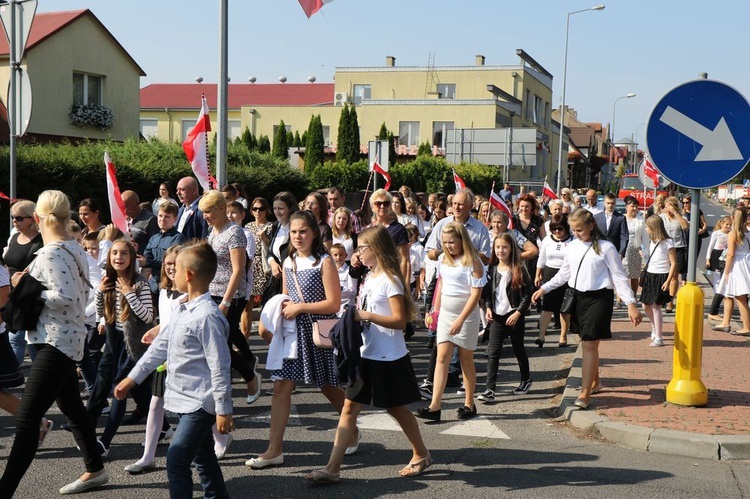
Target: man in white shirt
462	202
592	202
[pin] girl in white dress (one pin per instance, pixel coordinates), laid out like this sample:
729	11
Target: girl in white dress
661	270
461	279
735	283
715	255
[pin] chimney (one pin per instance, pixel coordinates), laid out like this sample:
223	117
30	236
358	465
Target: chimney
390	61
479	60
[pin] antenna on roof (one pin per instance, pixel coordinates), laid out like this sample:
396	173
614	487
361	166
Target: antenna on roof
198	79
282	79
311	79
252	79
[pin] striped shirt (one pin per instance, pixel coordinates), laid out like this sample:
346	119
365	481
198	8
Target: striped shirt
139	299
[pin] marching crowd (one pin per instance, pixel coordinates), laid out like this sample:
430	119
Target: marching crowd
164	312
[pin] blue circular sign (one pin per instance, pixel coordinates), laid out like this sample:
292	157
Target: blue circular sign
698	134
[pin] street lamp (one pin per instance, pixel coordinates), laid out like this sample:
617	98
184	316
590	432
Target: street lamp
614	106
635	148
562	104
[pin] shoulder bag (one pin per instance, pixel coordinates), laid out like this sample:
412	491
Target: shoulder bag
322	327
643	272
569	297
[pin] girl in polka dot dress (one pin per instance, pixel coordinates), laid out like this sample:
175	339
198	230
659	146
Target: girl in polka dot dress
308	270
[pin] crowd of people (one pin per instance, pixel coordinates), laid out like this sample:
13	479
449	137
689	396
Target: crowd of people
164	312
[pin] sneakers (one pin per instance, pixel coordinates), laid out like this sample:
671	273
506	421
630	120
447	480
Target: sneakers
461	390
425	389
487	396
658	342
653	333
523	388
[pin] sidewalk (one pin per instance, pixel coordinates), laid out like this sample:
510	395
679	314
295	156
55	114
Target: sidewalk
632	410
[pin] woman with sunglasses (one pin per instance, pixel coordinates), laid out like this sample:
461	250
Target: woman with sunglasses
19	253
261	228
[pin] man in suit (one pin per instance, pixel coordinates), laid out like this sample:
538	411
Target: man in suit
190	222
613	224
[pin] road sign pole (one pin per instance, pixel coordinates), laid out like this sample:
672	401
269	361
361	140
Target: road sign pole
13	102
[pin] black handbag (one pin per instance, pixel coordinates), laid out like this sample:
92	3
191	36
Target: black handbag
24	305
569	297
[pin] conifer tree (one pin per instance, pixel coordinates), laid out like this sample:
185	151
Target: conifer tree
281	142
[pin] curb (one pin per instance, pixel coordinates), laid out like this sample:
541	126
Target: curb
679	443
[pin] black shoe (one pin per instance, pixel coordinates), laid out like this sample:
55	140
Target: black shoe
426	413
430	342
523	388
539	343
425	389
467	413
136	417
487	396
453	381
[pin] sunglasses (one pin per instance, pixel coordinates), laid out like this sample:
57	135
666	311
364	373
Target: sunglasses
558	229
19	218
380	204
258	208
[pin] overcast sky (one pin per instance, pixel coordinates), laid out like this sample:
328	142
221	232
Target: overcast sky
641	46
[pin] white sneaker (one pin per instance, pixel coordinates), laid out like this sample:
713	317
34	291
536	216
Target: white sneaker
653	333
658	342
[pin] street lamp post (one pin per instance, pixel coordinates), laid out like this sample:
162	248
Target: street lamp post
614	107
562	104
635	148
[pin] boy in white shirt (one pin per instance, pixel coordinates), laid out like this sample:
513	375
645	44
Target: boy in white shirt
348	283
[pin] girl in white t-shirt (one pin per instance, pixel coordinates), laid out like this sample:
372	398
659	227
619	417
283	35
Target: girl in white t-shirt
661	270
388	379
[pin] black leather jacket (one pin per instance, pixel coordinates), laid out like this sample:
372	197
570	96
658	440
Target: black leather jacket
520	299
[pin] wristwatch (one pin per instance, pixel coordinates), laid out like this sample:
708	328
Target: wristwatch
226	303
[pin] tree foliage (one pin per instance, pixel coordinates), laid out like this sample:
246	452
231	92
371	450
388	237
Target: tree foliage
314	147
281	142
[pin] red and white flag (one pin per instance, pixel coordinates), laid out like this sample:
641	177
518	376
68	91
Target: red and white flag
498	203
116	205
460	184
387	176
312	6
547	191
650	171
196	147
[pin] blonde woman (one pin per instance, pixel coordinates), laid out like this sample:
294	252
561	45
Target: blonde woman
342	231
735	283
676	226
461	278
567	198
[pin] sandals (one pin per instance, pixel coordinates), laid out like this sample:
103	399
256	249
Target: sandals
323	476
44	429
416	468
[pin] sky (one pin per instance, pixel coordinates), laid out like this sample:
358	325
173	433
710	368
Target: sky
646	47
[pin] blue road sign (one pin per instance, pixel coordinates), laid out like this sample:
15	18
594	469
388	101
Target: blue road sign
698	134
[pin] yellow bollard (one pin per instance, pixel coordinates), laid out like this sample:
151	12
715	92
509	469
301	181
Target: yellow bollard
686	387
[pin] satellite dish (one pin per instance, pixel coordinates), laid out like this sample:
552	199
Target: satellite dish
252	79
311	79
198	79
282	79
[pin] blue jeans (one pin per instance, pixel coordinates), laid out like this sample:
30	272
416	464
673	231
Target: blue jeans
18	344
193	441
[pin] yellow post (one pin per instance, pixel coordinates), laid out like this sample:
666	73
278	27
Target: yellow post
686	387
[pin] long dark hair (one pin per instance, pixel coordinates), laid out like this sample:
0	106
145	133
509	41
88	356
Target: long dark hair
110	305
317	250
516	269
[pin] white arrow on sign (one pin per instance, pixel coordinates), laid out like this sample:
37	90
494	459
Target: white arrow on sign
718	144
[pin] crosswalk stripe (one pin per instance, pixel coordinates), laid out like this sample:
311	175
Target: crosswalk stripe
378	421
265	417
478	427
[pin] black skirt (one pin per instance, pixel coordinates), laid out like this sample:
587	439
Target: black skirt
651	292
386	384
551	301
10	376
714	263
681	259
592	314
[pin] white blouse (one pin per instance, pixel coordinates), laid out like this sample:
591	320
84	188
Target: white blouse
458	280
552	252
598	271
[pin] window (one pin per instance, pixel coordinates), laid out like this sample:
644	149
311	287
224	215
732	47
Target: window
538	110
361	92
439	132
547	114
408	133
527	111
150	128
234	129
326	135
446	90
87	89
187	125
288	129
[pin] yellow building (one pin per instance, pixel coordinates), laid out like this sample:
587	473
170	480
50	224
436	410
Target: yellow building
71	58
418	104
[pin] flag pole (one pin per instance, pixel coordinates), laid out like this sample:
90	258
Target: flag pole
492	191
208	156
367	187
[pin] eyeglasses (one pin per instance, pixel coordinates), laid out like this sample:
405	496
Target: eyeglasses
380	204
258	208
363	247
557	229
685	201
19	218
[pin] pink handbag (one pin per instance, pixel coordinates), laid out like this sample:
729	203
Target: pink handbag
321	328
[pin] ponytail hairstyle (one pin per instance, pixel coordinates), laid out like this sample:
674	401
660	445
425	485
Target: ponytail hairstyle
382	245
317	250
110	305
739	221
516	269
658	231
586	218
53	208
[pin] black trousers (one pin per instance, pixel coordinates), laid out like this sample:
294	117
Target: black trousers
498	332
243	360
102	385
52	379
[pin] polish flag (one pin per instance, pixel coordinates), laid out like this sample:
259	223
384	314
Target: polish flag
387	176
195	147
498	203
460	184
650	171
312	6
116	205
547	191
